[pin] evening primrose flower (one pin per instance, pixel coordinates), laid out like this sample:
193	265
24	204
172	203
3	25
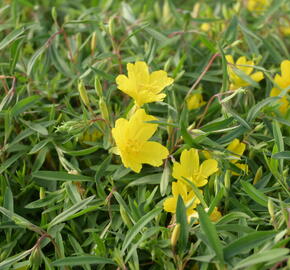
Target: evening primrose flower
215	215
190	168
257	5
131	137
195	101
246	67
142	86
189	198
283	81
237	148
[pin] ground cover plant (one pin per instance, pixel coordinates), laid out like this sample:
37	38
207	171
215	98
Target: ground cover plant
144	134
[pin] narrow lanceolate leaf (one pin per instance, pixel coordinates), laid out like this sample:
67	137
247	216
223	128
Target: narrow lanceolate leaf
282	155
16	34
210	233
81	260
6	263
6	164
65	215
247	242
24	105
60	176
255	194
139	226
181	218
265	256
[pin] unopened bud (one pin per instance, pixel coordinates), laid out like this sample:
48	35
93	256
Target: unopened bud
83	93
98	87
111	26
271	209
125	217
41	193
104	109
227	180
54	14
93	42
258	175
175	235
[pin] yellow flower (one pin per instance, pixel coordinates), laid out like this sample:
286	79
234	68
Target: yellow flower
285	30
237	148
189	198
283	82
190	168
142	86
215	215
246	67
131	137
257	5
194	101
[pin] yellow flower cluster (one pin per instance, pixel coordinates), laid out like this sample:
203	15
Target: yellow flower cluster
131	136
189	168
237	148
257	6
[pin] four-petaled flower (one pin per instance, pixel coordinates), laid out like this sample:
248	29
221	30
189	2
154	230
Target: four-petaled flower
190	168
142	86
244	66
189	198
283	81
131	137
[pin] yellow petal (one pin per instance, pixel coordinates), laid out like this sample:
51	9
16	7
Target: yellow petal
125	85
189	160
152	153
138	128
178	188
241	62
138	71
119	132
285	68
169	204
230	59
159	80
208	167
257	76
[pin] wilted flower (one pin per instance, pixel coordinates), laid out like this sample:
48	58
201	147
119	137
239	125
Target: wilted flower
283	81
195	101
189	198
190	168
244	66
131	137
142	86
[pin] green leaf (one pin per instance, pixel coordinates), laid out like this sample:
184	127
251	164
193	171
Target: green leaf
139	226
60	176
181	218
255	194
253	112
282	155
83	152
81	260
14	259
247	242
24	105
66	214
273	254
16	34
7	163
210	233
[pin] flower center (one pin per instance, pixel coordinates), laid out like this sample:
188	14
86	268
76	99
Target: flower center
133	146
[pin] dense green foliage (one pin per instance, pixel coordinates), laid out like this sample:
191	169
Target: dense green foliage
66	200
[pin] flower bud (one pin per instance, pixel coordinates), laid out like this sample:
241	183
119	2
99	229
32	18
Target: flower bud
175	235
41	193
98	87
258	175
93	43
125	217
111	26
35	258
271	209
104	109
83	93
